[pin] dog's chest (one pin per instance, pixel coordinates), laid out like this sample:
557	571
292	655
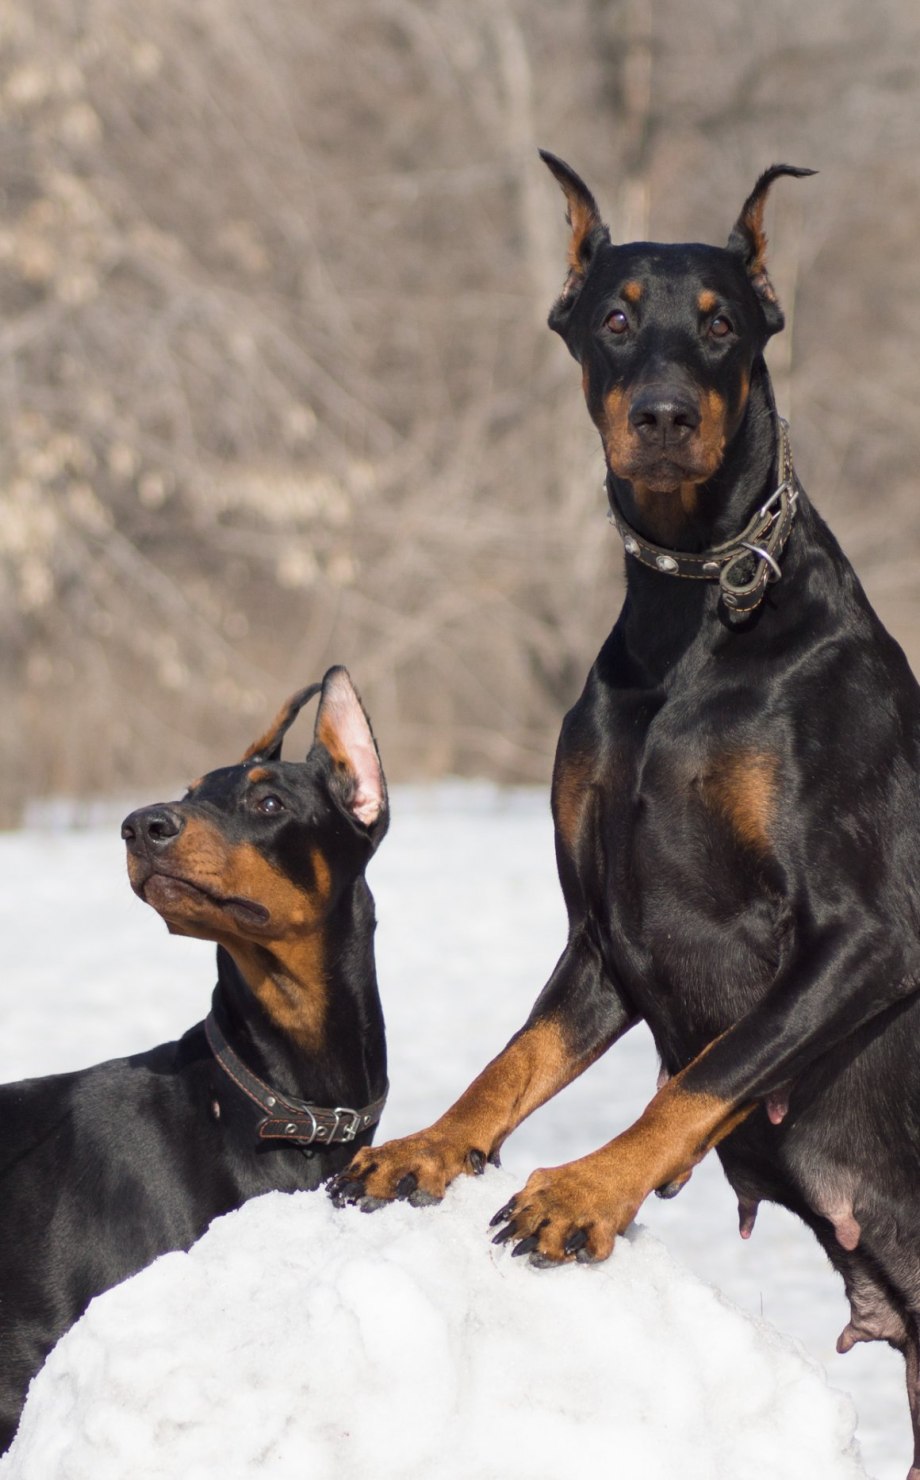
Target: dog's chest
694	917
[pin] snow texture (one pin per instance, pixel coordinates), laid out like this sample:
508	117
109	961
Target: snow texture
295	1340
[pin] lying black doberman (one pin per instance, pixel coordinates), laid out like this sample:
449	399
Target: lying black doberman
103	1169
737	813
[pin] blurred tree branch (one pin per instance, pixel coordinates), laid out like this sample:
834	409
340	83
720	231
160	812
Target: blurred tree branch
275	386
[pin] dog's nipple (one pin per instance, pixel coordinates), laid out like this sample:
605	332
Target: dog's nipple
847	1230
747	1215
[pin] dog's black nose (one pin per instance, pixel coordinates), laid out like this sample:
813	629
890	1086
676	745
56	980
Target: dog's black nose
664	416
151	827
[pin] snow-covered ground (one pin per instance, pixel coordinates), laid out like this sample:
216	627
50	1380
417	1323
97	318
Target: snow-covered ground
470	925
296	1342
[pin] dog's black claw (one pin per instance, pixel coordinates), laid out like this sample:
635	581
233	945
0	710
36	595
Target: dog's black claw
575	1241
422	1199
495	1159
502	1215
505	1234
406	1186
670	1189
526	1246
478	1162
344	1191
371	1204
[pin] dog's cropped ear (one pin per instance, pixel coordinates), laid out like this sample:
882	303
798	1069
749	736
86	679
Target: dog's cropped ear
588	234
748	240
268	746
343	729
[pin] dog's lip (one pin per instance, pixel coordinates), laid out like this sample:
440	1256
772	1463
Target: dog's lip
666	472
250	911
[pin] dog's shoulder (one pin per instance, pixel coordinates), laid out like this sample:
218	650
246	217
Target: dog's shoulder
55	1115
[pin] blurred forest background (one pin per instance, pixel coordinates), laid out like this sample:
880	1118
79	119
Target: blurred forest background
276	388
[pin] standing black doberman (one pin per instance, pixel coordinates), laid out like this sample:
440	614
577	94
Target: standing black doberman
737	813
103	1169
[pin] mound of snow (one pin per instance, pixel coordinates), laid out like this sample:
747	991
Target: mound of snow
298	1342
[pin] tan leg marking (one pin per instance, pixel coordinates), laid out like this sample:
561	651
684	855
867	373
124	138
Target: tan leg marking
602	1192
534	1067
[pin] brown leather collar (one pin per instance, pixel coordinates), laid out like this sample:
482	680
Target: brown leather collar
299	1122
746	564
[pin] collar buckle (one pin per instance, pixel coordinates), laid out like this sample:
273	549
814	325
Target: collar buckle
299	1122
346	1132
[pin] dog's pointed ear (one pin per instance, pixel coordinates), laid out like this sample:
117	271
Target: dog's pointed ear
748	240
588	234
268	746
357	781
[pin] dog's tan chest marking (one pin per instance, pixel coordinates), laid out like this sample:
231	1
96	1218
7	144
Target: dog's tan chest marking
571	795
742	787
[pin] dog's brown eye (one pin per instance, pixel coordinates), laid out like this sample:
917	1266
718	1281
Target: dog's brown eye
720	326
270	804
617	322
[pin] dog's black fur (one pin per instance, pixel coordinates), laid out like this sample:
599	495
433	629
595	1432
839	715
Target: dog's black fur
103	1169
737	809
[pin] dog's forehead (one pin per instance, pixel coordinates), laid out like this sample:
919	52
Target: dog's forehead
226	785
675	273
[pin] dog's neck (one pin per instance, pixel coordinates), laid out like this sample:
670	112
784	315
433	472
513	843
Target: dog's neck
664	618
305	1015
694	518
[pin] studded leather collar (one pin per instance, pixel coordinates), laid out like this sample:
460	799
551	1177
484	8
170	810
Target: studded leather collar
299	1122
746	564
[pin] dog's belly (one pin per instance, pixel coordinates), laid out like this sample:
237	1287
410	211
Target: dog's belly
699	939
698	927
845	1156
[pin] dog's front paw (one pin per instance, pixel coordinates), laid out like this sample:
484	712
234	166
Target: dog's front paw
417	1169
566	1213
